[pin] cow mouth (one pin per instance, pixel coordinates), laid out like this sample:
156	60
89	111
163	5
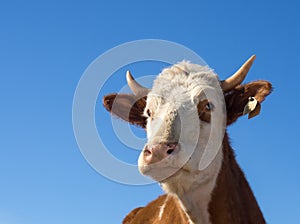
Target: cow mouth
166	168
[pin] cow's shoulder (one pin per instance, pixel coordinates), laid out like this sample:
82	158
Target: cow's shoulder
164	209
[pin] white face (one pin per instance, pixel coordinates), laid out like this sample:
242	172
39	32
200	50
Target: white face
186	116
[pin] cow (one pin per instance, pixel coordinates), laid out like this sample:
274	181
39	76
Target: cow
185	115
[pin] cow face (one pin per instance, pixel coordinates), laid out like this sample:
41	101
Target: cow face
183	109
184	115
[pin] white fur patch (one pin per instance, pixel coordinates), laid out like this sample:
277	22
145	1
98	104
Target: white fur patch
162	208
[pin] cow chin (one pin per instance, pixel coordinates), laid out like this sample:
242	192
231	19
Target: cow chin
158	171
160	174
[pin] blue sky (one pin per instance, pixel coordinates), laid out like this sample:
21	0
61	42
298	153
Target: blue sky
45	47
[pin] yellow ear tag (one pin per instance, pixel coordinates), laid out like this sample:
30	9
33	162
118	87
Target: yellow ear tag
252	108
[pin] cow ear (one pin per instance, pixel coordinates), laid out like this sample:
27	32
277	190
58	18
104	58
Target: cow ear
128	107
246	99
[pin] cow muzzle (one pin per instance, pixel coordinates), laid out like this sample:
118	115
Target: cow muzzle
156	153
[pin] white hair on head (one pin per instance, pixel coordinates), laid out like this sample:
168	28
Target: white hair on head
192	77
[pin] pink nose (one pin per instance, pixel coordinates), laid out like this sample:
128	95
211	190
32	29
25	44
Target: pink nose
156	153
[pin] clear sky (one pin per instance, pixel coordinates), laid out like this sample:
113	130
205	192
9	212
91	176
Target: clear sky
45	47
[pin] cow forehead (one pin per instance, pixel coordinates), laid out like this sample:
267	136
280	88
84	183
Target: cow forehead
183	81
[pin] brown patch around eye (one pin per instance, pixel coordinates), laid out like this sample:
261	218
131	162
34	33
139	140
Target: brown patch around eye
204	110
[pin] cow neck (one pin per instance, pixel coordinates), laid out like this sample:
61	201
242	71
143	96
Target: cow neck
198	187
226	199
232	200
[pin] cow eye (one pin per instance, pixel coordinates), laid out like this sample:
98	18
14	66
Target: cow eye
148	112
251	98
209	107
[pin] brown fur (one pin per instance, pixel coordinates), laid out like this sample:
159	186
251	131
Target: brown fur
232	199
126	106
204	113
173	213
237	98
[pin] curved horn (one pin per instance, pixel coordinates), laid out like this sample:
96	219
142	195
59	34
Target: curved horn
239	76
136	88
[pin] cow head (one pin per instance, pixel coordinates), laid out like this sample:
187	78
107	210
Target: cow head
185	113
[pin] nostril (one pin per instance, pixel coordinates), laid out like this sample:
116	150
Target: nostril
170	151
170	148
147	152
